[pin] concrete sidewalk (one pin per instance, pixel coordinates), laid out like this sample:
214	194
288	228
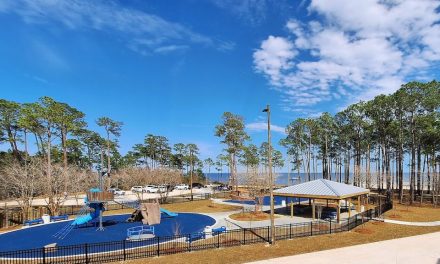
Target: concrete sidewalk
415	249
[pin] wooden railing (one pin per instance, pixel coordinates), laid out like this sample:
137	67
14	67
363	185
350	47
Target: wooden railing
100	196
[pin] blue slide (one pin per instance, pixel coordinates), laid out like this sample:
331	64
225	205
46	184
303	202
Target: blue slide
165	211
90	216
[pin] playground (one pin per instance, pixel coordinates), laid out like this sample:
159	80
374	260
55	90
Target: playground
146	222
115	229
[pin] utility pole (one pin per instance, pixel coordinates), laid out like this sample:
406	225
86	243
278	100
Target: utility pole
269	153
191	173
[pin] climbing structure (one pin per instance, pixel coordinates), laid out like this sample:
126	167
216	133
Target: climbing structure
94	206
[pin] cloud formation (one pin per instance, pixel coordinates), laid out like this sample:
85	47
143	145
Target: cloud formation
351	50
262	126
142	32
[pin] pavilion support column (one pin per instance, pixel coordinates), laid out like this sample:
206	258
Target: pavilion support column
327	202
313	209
292	209
338	207
349	207
359	204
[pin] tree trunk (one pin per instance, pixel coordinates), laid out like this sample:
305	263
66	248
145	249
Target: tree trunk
347	167
367	168
64	144
419	161
413	161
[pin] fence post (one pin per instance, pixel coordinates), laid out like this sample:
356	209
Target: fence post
290	231
244	236
268	235
218	240
44	255
124	247
190	243
158	247
356	220
87	253
330	225
311	228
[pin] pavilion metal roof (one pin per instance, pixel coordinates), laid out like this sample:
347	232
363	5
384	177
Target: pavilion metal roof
321	189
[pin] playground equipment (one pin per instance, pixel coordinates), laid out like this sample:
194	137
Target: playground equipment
140	232
94	206
218	231
137	215
195	236
168	213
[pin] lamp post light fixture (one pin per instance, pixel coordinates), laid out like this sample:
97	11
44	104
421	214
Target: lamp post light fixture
269	154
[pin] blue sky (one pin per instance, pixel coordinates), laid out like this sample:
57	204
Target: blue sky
173	67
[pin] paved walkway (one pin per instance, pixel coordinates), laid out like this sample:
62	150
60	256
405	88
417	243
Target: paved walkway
434	223
417	249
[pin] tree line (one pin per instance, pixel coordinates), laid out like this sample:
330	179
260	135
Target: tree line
370	143
66	154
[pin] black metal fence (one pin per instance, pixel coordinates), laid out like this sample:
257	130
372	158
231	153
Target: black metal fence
158	246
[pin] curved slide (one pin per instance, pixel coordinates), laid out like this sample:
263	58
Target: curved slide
165	211
86	218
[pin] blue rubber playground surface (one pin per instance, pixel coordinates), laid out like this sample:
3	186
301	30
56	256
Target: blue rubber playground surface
115	230
266	200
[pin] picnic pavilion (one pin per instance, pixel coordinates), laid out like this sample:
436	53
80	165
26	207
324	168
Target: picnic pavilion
320	192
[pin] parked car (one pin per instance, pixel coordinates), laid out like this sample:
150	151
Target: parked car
151	189
162	188
329	215
223	188
117	191
138	189
181	187
197	185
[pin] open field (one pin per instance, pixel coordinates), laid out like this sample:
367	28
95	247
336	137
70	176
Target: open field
199	206
415	213
377	231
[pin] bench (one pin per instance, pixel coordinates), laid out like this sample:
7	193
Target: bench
140	232
59	218
33	222
217	231
195	236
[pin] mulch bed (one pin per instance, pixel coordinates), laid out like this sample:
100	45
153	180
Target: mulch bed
250	216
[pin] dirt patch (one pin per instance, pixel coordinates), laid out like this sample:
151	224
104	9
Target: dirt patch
364	231
394	216
377	223
252	216
403	210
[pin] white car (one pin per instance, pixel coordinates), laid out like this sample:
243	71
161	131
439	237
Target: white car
151	189
162	188
117	191
181	187
137	189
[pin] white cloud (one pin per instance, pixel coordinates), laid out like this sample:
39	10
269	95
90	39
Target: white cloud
273	57
357	50
262	126
170	48
141	31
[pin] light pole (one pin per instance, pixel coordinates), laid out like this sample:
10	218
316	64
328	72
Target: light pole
269	154
191	173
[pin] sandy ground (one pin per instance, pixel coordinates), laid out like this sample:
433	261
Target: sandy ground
417	249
